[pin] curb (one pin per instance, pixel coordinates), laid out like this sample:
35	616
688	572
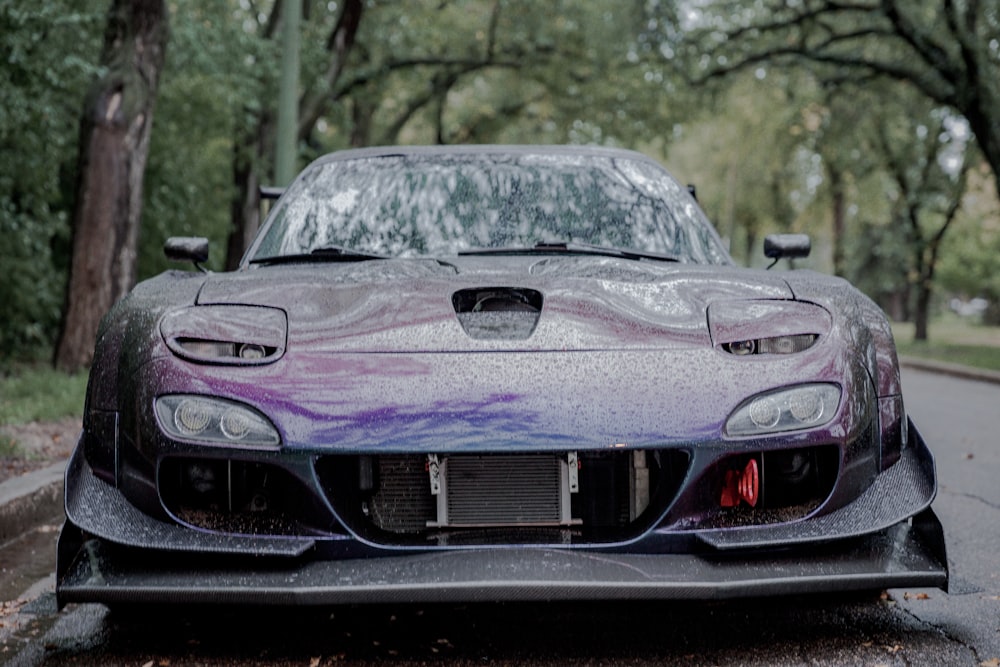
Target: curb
30	500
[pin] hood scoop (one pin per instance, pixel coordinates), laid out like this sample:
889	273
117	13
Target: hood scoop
498	313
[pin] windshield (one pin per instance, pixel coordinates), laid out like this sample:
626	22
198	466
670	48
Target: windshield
440	204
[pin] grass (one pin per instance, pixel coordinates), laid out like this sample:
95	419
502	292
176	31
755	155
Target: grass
954	340
9	448
40	393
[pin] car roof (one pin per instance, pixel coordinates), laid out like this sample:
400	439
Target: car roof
486	149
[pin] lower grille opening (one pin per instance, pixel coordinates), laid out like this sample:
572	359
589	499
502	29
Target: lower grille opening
787	485
559	498
239	497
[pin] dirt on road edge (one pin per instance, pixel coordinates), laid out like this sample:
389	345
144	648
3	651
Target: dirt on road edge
35	445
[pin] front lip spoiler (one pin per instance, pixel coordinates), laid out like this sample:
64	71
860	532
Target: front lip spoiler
909	554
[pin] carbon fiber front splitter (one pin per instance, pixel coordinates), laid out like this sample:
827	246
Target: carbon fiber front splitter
910	554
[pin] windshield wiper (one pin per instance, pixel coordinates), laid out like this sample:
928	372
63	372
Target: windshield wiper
572	248
324	254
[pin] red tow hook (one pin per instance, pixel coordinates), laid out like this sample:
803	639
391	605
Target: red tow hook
743	486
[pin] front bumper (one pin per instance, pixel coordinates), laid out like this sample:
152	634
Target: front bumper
909	554
111	552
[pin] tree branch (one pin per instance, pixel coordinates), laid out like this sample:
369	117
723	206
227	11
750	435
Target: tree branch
932	53
315	103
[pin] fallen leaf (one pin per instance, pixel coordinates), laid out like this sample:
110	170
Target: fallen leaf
992	662
148	664
314	662
916	596
895	648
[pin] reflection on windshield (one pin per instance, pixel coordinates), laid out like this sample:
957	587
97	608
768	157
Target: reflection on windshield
439	204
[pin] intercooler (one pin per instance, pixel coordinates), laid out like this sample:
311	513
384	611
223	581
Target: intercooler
511	490
463	491
409	494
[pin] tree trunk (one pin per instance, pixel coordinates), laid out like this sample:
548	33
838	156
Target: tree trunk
839	221
921	315
114	143
362	111
245	212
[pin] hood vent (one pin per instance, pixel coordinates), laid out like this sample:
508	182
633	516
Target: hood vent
498	313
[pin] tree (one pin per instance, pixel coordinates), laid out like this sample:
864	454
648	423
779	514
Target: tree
947	51
918	157
927	171
970	265
42	89
750	155
114	143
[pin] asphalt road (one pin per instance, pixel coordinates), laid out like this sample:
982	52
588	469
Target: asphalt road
905	627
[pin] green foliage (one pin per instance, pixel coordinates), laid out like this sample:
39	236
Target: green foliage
970	263
512	71
751	162
39	393
217	72
43	89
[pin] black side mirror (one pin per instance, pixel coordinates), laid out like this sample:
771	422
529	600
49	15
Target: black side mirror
192	249
790	246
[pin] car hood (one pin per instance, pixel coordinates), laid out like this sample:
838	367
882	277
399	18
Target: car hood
583	303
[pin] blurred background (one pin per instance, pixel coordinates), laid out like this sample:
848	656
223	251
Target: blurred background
874	127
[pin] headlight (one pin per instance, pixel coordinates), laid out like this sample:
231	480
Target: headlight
744	327
232	335
206	350
805	406
775	345
214	420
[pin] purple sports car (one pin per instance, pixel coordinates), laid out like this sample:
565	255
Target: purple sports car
493	373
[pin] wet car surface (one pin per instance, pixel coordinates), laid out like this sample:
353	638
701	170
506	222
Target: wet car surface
493	373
